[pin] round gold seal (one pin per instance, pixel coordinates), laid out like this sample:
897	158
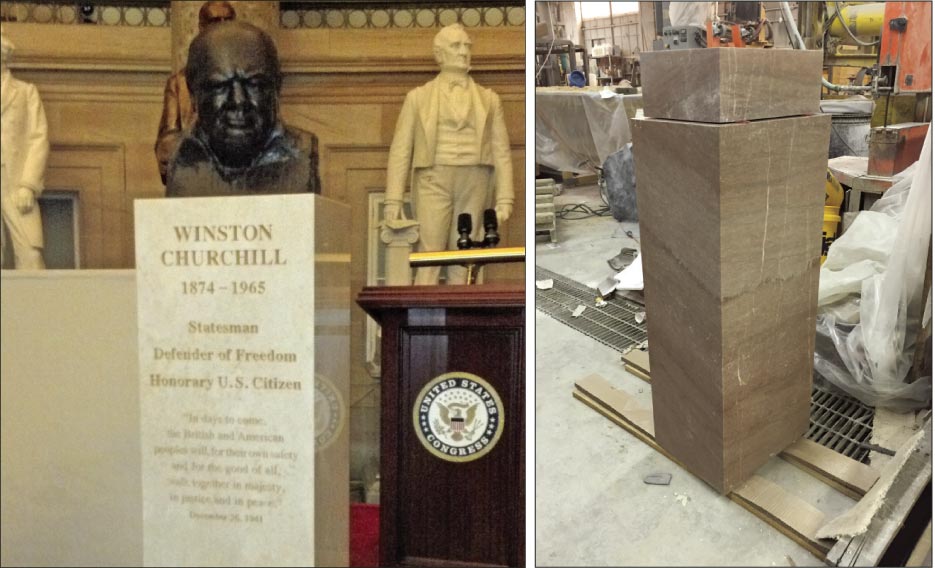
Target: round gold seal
458	417
330	413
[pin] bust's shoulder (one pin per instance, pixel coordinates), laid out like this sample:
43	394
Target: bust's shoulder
301	141
191	151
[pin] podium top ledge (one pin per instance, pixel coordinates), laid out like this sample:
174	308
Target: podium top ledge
377	299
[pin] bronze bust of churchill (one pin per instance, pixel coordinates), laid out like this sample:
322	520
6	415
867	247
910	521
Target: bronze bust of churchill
238	145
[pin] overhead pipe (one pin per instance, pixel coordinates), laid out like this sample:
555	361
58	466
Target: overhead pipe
799	43
856	20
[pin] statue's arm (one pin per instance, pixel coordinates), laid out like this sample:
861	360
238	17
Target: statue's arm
400	160
37	152
503	163
170	126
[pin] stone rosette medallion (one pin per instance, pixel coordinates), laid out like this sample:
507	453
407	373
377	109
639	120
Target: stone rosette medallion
458	417
329	413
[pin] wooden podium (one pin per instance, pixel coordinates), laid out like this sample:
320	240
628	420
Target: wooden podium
452	454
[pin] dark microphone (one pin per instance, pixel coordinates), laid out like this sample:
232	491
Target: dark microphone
491	237
464	231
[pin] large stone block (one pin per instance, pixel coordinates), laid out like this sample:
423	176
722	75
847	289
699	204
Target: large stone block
730	85
730	222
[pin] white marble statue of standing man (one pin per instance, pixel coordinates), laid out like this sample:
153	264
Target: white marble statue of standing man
451	142
24	150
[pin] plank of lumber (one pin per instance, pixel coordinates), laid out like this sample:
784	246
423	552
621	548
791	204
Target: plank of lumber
922	549
618	402
637	358
847	475
637	373
792	516
623	423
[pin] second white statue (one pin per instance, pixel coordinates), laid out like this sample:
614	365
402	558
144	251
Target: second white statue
24	150
451	140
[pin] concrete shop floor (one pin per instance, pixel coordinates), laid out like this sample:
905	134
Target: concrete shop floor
592	507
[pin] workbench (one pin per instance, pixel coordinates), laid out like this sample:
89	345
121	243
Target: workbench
851	171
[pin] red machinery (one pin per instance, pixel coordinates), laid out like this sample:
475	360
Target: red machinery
905	67
906	47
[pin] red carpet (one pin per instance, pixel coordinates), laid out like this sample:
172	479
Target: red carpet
365	534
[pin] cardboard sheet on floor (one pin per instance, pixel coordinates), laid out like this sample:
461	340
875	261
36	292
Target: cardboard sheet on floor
854	477
794	517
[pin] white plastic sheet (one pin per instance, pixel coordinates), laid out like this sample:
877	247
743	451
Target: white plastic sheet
631	277
577	129
689	13
870	303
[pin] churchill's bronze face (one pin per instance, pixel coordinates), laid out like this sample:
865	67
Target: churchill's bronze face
233	72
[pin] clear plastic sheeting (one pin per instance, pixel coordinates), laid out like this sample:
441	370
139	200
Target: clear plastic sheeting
870	303
690	13
577	129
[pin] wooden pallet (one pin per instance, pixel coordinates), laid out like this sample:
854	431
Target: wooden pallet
848	476
792	516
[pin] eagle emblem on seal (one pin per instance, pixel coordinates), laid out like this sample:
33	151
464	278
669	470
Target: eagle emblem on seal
458	420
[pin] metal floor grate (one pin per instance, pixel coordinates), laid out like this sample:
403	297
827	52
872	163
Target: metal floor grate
613	324
837	421
841	423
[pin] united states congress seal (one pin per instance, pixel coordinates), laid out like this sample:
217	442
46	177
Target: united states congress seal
458	417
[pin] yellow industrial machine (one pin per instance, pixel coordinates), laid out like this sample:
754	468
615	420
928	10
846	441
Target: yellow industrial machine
859	19
834	197
848	33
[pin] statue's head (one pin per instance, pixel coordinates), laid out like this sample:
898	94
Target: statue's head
6	52
452	49
234	75
215	13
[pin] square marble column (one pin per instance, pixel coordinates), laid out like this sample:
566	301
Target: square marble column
730	85
730	221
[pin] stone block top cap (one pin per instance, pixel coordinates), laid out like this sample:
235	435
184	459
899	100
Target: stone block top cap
730	84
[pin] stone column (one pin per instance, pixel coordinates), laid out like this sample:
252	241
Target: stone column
184	19
731	172
399	236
